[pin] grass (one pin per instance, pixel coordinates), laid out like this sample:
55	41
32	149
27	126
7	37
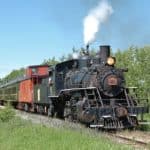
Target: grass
147	117
17	134
26	136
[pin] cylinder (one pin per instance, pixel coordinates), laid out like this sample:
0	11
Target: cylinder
104	52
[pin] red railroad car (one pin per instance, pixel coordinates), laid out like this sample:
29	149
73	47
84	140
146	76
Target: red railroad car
29	91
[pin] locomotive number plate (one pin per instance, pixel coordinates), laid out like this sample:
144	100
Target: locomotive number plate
112	81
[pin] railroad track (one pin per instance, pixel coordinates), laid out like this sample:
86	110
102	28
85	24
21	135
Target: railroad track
138	139
132	140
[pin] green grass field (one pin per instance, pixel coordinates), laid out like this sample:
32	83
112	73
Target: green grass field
17	134
20	135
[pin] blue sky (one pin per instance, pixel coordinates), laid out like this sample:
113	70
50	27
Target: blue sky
34	30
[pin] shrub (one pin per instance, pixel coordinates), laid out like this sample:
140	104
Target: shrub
6	114
144	127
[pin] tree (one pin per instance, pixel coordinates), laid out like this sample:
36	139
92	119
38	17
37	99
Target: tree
50	61
62	58
13	75
137	61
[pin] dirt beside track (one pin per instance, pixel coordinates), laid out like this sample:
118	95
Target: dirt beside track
46	121
143	137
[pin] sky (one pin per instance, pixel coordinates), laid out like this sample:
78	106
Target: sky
34	30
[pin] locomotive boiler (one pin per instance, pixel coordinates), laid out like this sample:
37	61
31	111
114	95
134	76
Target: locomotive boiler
92	90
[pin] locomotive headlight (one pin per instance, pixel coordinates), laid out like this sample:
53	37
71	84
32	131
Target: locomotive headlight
111	61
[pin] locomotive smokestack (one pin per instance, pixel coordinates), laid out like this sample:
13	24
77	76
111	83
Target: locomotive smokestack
104	52
87	47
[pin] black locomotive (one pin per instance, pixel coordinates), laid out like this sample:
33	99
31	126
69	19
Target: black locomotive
92	90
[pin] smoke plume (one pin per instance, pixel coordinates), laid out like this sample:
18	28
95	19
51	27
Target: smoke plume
92	22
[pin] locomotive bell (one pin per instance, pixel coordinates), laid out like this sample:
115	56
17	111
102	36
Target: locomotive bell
104	52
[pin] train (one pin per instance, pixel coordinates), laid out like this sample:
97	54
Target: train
86	89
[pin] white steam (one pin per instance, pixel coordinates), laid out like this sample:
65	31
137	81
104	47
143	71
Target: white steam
92	22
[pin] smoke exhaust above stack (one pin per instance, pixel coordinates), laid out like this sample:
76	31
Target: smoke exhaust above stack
92	22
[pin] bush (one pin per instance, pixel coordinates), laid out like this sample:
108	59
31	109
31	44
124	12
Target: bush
144	127
6	114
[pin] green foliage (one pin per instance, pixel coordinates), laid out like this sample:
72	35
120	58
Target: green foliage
62	58
23	135
50	61
13	75
146	126
137	61
6	114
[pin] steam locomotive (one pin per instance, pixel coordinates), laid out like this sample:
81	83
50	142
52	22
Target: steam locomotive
92	90
84	89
